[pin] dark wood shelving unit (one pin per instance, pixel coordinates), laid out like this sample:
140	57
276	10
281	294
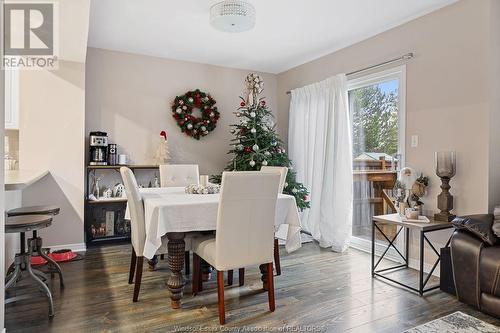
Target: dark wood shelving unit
96	210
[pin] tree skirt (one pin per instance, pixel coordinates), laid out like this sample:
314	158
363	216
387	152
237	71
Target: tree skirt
457	322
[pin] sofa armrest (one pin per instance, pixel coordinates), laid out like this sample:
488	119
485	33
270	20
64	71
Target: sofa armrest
465	252
479	226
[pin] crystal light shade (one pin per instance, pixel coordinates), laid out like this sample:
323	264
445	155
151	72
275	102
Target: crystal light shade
232	16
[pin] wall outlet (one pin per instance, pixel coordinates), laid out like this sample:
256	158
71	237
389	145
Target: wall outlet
414	141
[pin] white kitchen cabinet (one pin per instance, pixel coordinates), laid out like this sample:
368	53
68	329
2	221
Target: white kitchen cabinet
12	99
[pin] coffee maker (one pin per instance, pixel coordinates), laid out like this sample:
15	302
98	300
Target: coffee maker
98	142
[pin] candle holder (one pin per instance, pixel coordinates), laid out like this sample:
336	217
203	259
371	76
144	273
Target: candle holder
445	169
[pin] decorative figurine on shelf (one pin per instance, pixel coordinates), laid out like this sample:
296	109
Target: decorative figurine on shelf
93	231
155	182
119	191
418	190
162	153
403	189
95	192
255	86
445	169
108	193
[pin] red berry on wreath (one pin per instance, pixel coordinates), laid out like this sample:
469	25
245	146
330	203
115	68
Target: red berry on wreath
263	102
248	149
242	104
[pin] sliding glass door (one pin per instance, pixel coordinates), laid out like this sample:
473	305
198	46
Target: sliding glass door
376	104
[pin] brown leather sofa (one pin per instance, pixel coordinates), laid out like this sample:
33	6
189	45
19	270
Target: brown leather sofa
475	255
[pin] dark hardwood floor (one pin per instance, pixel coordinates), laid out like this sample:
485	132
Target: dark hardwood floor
328	291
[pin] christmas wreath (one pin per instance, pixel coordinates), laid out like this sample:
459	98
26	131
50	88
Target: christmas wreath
182	111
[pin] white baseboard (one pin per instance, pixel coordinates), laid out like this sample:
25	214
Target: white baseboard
3	331
78	247
364	244
415	264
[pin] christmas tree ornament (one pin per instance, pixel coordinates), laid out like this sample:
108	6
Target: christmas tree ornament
190	100
242	104
179	110
258	143
189	126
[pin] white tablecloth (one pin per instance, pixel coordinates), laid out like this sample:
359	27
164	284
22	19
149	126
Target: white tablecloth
171	210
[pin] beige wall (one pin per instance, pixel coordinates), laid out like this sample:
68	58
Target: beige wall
448	99
129	97
52	138
52	124
494	146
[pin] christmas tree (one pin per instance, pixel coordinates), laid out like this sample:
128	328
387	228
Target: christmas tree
256	143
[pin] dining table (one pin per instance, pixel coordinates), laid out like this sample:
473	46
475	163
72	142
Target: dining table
171	212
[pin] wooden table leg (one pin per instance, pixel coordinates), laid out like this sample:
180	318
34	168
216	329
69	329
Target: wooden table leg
206	271
263	272
176	282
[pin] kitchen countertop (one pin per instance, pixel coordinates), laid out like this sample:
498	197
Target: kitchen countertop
20	179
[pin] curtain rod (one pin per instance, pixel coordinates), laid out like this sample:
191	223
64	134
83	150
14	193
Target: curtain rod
404	57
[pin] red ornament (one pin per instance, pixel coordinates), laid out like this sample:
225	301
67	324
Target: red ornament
248	149
163	134
263	103
306	198
242	104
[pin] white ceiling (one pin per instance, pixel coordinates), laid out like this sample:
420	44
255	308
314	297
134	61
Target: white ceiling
287	32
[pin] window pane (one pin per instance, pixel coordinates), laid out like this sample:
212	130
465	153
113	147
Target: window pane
374	114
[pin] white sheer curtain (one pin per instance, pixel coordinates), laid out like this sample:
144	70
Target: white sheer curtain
320	146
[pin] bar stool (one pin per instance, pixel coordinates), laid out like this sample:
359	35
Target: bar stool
37	241
22	224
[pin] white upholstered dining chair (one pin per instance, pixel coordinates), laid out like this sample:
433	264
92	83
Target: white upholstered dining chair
282	171
138	230
179	175
245	230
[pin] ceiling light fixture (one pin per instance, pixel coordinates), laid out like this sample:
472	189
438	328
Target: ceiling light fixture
232	16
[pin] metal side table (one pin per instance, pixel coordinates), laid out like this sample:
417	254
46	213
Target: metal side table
422	229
